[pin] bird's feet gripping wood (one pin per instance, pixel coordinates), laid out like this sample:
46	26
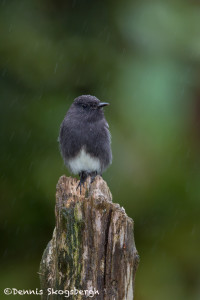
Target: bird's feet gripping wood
93	175
83	176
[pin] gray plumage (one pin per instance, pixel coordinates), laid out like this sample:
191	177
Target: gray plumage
85	141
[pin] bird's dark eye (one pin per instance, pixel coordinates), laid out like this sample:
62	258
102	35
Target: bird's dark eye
84	106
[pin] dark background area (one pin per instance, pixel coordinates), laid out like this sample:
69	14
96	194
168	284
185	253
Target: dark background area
144	58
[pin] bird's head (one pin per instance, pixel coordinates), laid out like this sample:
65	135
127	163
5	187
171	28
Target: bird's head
89	106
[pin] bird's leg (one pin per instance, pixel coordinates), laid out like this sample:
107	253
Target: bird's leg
83	176
93	175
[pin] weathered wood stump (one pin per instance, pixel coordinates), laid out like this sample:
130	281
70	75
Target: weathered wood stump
92	251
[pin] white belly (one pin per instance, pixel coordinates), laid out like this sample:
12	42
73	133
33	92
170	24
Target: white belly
84	162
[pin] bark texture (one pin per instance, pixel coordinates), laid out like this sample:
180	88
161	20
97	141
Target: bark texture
92	248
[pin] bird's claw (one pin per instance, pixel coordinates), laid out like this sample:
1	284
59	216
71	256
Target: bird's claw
80	185
83	176
93	176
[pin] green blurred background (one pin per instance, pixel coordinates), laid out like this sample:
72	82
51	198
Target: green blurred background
144	58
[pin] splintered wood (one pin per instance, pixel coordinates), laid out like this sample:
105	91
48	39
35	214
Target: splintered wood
92	253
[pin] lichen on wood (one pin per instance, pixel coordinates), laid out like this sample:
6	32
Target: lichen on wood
92	247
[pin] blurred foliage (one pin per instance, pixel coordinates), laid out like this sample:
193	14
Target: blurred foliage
144	58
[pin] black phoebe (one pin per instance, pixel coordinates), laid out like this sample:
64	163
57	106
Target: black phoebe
85	141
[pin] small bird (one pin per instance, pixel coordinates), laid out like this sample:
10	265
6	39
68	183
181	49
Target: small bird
85	140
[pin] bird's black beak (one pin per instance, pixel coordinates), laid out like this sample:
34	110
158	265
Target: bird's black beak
102	104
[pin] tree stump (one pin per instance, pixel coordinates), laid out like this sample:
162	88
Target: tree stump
92	252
